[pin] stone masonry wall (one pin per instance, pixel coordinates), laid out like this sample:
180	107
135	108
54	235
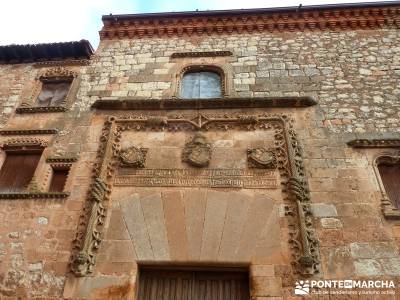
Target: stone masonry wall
36	234
354	75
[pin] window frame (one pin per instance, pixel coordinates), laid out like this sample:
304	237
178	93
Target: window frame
51	75
202	68
389	208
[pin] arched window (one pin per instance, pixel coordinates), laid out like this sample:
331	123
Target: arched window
201	84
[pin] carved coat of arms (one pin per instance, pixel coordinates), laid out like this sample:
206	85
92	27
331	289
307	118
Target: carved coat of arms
133	157
197	152
261	158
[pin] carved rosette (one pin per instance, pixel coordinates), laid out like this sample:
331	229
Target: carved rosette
197	152
133	157
261	158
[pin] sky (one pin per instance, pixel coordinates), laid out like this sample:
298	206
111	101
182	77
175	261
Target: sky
48	21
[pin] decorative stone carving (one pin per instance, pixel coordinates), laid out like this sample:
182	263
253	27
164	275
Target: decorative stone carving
374	143
133	157
335	19
201	54
302	237
28	131
24	142
197	152
261	158
56	72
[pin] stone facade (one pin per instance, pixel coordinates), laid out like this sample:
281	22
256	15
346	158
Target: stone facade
92	243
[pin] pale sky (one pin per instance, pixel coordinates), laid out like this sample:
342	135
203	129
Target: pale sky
47	21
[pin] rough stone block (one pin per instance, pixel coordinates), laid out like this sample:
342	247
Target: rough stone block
368	267
374	250
322	210
331	223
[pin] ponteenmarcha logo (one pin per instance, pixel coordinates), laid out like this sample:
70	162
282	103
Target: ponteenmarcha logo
302	288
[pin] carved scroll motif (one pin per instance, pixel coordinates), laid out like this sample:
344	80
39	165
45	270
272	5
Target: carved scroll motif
288	154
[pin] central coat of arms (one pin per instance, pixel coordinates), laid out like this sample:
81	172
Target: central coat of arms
197	152
133	157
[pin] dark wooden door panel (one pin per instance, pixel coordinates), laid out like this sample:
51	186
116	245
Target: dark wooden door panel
193	285
17	171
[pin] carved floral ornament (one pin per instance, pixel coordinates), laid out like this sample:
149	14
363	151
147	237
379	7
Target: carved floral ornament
288	154
389	210
57	72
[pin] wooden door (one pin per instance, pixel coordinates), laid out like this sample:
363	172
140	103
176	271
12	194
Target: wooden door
193	285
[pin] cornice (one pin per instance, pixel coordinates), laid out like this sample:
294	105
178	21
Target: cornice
27	131
32	195
329	18
165	104
374	143
40	109
61	159
201	54
72	62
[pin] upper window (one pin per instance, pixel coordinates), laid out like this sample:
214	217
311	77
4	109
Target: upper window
53	93
199	85
390	176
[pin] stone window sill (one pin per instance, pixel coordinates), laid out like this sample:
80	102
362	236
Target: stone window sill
40	109
28	195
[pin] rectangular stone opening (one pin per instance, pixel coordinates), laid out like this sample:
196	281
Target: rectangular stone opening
193	283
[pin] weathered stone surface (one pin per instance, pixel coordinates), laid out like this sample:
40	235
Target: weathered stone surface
331	223
374	250
321	210
368	267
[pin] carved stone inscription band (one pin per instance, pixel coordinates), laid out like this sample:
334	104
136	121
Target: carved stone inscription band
213	178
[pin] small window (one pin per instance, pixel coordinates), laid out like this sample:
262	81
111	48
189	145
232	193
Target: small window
196	85
58	180
53	93
390	176
17	170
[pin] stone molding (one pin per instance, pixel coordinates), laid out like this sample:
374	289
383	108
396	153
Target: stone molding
40	109
256	21
28	131
72	62
302	237
34	195
374	143
23	143
61	160
201	54
389	210
157	104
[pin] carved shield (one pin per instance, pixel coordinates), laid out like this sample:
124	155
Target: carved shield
197	152
133	157
261	158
